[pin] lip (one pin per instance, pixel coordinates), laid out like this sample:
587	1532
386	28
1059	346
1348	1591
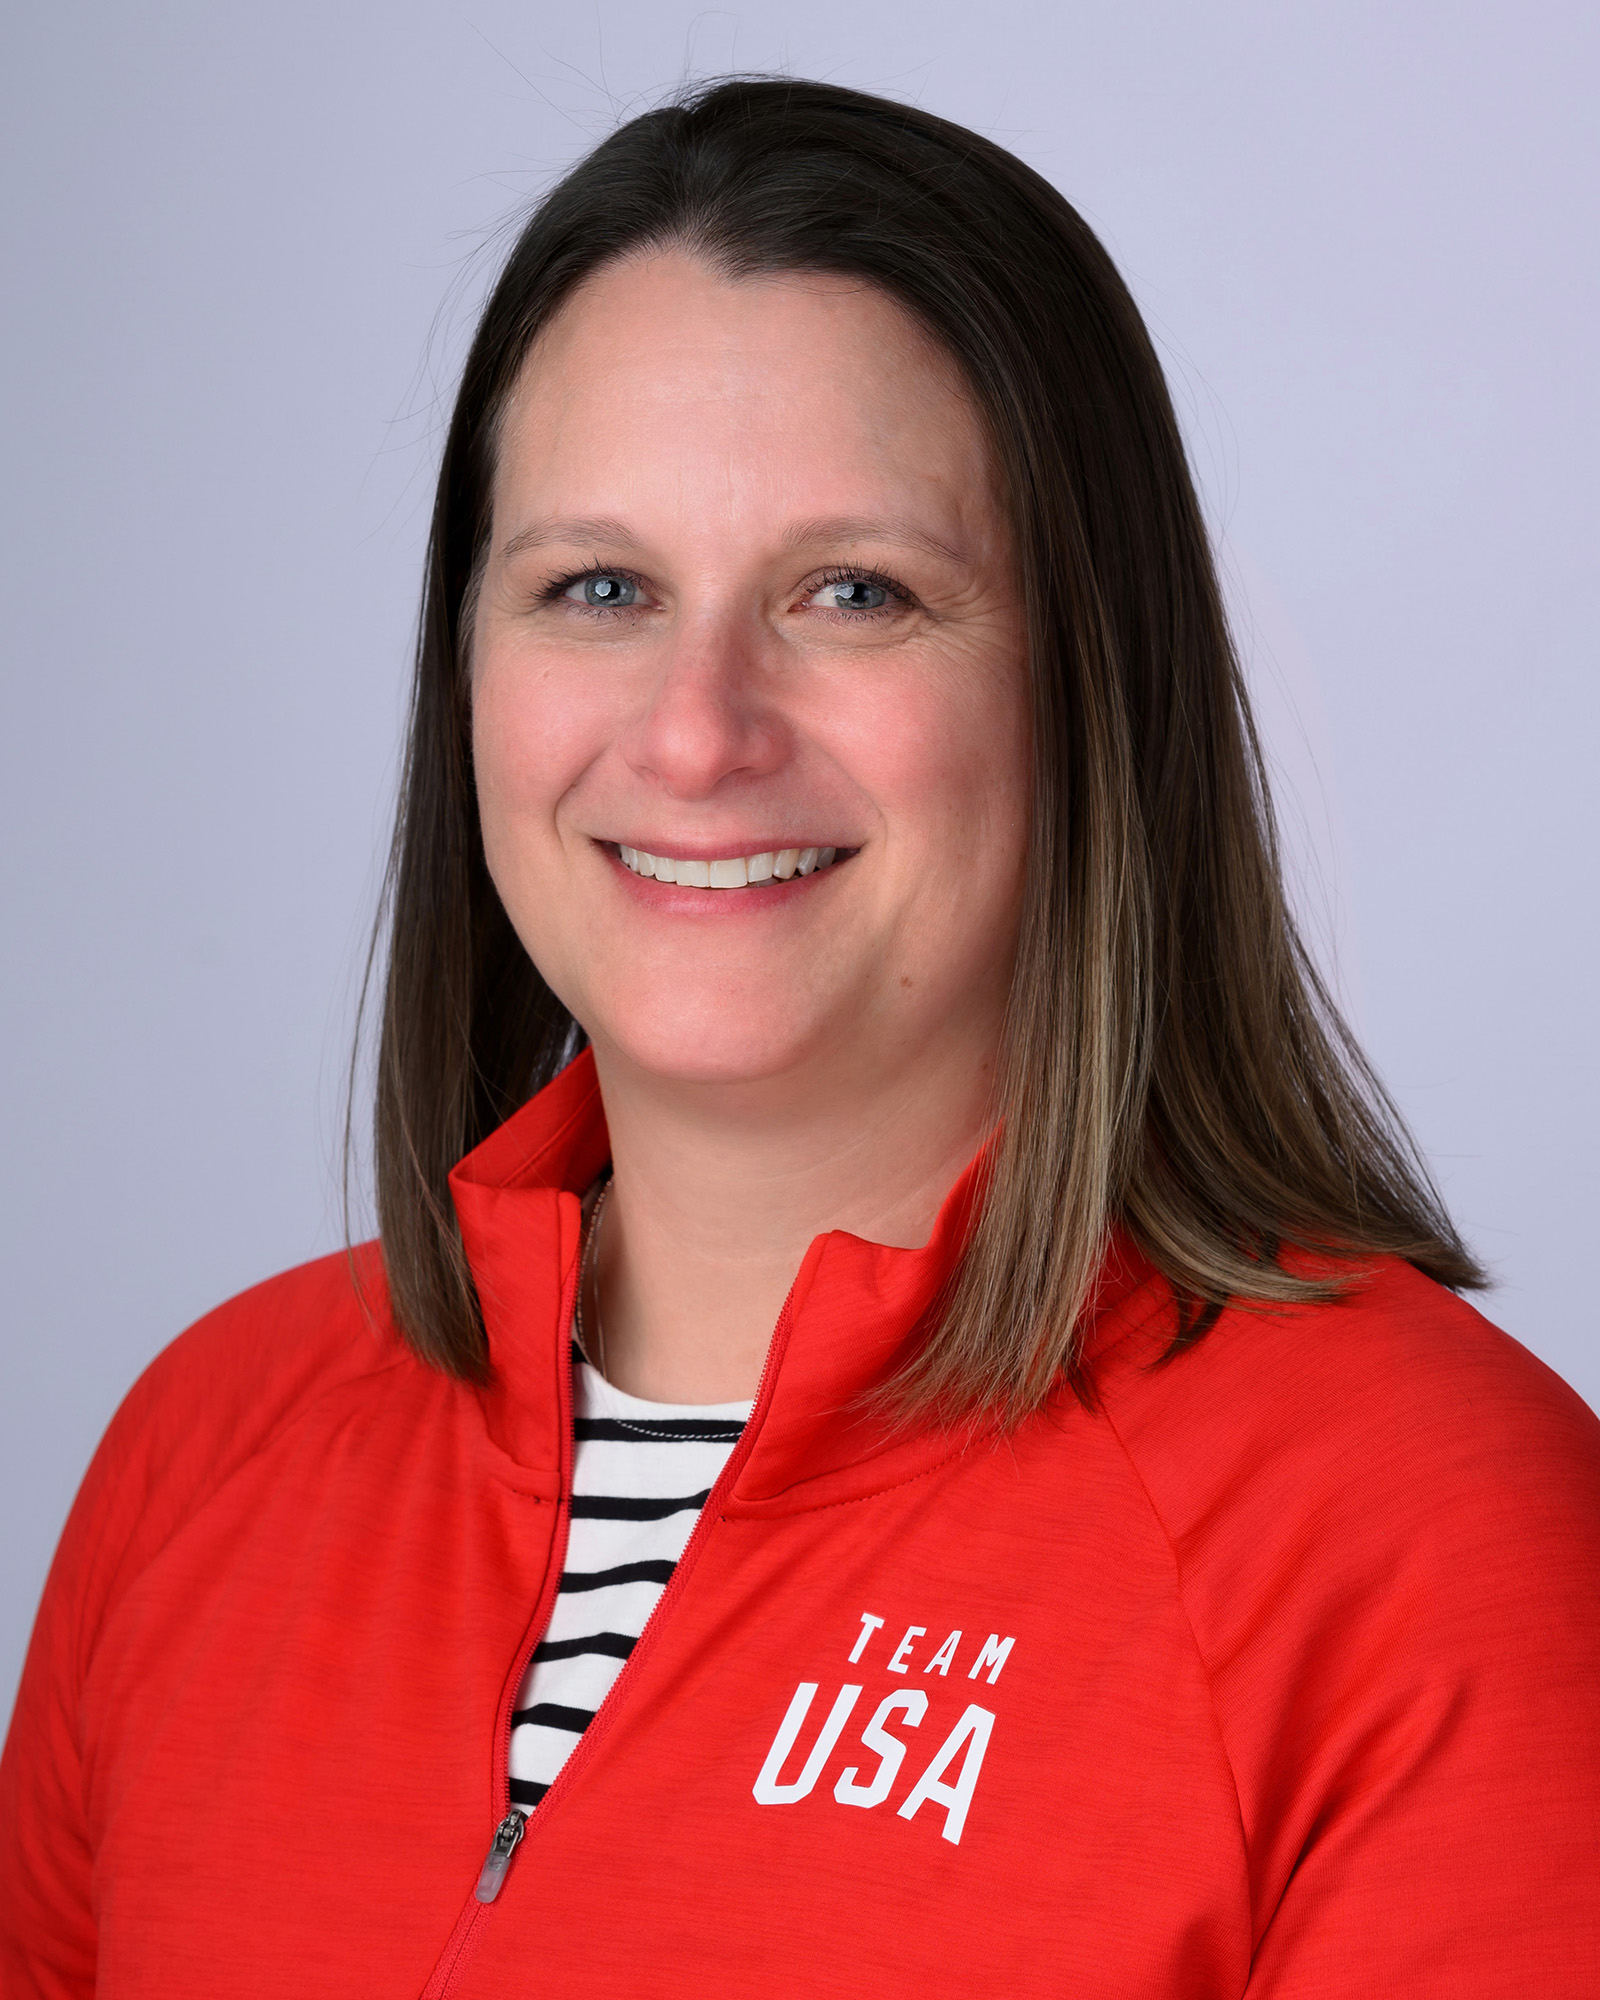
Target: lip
756	899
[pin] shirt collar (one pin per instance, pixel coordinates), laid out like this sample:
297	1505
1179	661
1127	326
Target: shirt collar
855	1315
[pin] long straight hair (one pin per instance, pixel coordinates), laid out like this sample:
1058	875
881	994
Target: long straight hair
1172	1064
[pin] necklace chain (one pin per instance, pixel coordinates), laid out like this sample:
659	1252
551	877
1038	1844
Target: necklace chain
586	1271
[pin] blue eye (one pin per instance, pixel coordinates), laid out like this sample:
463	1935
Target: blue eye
854	593
604	591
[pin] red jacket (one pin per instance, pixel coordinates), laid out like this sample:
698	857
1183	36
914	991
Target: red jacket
1279	1675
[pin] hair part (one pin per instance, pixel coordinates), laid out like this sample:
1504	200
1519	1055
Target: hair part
1172	1064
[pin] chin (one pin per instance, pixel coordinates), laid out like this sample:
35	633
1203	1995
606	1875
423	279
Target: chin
690	1039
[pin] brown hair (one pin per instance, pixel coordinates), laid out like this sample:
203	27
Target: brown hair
1172	1061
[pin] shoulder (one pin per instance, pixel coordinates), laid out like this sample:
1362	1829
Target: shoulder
1399	1373
259	1359
1388	1476
1397	1394
1383	1517
212	1401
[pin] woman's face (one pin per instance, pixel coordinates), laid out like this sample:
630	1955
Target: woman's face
750	591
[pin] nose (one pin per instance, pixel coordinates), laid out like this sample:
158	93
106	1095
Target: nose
711	718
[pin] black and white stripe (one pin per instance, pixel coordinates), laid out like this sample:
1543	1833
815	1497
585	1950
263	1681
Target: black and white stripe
641	1472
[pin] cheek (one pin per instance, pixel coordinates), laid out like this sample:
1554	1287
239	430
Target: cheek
528	748
944	751
948	756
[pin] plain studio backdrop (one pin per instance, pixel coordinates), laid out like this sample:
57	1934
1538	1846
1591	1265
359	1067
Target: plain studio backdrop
241	250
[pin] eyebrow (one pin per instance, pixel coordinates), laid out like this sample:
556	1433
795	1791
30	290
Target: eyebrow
865	528
836	528
569	528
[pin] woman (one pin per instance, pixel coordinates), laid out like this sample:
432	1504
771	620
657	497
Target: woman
909	1429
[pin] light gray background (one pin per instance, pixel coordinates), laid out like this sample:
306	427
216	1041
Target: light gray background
241	247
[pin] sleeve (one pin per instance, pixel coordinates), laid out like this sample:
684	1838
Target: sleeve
202	1408
1385	1519
1456	1849
141	1481
1431	1783
47	1927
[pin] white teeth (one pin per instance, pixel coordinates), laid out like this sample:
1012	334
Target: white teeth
735	872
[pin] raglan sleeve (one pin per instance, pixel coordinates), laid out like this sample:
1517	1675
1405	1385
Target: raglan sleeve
47	1924
1425	1797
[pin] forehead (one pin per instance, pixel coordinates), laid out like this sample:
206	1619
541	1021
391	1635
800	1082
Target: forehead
805	390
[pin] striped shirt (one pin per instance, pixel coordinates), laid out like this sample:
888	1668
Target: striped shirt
641	1472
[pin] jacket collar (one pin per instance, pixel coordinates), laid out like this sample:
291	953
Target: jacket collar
855	1315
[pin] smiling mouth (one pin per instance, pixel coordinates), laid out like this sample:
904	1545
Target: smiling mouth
737	871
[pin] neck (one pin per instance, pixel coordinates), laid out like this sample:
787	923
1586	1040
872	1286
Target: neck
719	1191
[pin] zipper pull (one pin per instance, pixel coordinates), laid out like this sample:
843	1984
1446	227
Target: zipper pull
491	1879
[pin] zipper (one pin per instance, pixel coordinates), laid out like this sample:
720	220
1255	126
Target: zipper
513	1822
515	1825
492	1875
590	1740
